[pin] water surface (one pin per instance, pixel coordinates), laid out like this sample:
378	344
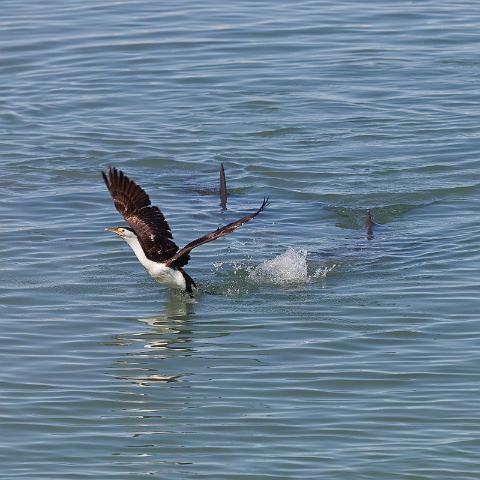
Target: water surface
277	371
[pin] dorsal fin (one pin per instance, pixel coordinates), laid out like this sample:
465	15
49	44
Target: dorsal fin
223	188
369	223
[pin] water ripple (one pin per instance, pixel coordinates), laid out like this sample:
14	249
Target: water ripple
280	368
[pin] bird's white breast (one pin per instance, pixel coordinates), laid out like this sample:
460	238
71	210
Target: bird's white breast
166	275
161	273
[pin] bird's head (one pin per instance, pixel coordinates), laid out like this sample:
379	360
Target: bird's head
124	232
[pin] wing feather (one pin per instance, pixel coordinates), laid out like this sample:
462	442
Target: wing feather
147	221
182	256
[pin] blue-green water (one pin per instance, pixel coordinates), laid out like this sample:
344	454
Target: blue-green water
277	372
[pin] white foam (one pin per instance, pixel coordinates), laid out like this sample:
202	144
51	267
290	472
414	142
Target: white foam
289	267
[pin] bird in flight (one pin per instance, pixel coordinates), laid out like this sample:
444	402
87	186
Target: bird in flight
149	234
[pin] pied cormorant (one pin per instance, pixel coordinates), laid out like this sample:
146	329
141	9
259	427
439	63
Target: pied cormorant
149	234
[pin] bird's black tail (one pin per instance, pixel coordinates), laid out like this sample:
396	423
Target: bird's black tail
189	283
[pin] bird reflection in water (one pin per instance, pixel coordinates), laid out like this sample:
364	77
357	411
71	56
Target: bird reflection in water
152	363
167	340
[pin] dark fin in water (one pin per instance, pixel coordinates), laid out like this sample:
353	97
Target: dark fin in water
369	224
189	282
223	188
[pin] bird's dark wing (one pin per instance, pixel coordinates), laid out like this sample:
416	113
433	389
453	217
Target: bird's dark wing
223	188
147	221
182	256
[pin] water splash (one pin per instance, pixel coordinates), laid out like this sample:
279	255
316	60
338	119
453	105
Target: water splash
288	268
322	272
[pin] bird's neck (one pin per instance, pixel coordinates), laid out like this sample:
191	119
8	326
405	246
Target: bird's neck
138	251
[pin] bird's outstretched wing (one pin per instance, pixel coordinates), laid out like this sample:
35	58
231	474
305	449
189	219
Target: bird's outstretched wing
146	220
182	256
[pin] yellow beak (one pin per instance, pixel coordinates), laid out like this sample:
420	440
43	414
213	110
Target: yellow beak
116	231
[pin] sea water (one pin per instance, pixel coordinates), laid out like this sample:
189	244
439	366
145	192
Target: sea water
312	350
